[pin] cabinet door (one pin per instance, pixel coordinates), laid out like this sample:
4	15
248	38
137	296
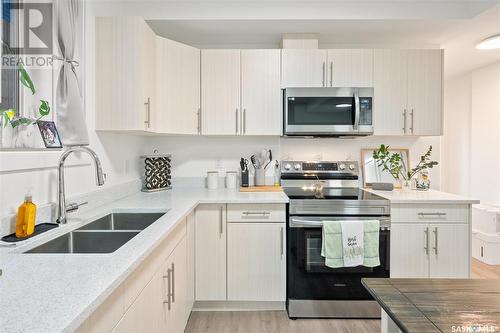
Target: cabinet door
178	314
409	256
256	268
210	249
390	82
178	88
425	92
261	98
350	68
449	251
220	92
146	314
190	259
124	73
303	68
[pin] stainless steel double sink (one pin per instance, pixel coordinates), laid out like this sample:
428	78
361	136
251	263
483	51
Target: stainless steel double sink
104	235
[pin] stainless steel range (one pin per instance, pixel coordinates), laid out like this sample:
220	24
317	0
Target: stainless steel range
321	191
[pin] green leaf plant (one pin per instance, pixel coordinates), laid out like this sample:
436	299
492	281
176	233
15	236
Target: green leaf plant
395	164
10	116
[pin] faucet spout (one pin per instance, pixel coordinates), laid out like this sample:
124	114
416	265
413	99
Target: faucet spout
100	178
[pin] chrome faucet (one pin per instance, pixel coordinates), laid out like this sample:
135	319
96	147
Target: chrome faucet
62	209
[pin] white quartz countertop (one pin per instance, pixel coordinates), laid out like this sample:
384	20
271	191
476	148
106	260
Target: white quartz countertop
57	292
398	196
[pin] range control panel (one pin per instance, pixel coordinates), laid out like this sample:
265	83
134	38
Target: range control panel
319	167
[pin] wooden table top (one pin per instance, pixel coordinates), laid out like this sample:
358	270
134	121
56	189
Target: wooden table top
439	305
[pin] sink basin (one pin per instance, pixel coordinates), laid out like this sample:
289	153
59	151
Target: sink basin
104	235
86	242
123	221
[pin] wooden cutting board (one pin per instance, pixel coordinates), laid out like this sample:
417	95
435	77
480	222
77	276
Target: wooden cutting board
267	188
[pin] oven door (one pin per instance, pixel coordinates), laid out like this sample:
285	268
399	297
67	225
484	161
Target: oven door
326	111
308	277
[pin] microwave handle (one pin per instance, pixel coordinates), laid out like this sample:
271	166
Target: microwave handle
357	111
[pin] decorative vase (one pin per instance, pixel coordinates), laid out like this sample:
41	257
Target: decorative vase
423	181
406	185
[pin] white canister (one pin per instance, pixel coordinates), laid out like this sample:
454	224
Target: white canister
212	180
231	179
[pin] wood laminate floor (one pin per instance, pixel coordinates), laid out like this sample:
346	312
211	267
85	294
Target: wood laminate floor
273	322
278	322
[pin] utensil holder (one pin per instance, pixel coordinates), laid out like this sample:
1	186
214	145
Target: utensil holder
244	178
260	177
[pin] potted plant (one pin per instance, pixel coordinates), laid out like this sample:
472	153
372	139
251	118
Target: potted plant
394	164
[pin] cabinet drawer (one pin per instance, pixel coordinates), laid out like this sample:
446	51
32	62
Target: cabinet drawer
429	213
256	213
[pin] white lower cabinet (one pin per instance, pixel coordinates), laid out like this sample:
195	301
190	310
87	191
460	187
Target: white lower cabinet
240	253
430	250
210	248
256	262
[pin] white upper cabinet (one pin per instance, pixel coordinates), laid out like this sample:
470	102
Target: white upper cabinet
390	83
350	68
425	92
303	68
220	92
261	98
178	88
125	74
408	88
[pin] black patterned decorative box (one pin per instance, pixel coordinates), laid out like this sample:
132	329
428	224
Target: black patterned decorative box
156	172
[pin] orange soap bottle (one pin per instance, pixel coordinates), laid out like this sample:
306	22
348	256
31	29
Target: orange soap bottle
26	214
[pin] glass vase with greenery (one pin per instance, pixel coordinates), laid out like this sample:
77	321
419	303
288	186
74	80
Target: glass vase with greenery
394	163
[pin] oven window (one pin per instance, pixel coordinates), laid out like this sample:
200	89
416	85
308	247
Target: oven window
321	111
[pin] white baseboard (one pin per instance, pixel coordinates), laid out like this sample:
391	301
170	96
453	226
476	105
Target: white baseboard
238	306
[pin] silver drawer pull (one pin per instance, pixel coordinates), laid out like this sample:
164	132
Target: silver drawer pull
256	213
431	214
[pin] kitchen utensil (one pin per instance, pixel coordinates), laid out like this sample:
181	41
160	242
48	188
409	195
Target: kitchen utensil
263	157
270	158
255	162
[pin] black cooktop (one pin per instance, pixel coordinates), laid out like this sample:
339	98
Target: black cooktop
331	194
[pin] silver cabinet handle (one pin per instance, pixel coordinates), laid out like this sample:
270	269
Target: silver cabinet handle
426	246
331	74
422	214
236	121
169	305
199	121
411	117
247	214
173	282
435	240
148	113
404	121
244	121
281	241
221	227
324	73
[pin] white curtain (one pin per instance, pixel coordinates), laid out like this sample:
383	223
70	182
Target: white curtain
69	95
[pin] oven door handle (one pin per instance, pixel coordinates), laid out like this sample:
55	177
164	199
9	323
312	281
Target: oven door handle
305	223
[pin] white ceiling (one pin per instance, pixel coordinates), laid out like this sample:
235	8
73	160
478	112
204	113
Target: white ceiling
455	26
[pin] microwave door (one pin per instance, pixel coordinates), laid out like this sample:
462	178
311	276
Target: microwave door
320	115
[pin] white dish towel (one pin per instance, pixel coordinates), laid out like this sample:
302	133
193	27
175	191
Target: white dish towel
353	243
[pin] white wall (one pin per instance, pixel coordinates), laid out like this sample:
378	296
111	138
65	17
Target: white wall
456	141
471	149
194	156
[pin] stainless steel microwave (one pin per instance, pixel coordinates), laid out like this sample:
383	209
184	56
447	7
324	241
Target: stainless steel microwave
328	112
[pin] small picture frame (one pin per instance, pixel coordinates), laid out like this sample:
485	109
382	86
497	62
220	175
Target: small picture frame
49	134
